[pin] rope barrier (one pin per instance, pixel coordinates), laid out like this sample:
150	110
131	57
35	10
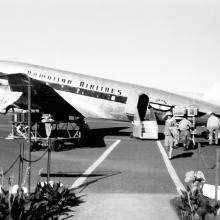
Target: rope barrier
205	163
34	161
203	159
18	157
23	159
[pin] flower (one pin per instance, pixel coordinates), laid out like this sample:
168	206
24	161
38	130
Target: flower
189	176
200	176
192	176
195	205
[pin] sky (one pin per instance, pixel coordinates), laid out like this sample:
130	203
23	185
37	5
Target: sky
166	44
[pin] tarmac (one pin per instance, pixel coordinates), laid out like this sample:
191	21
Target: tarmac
119	206
131	182
124	206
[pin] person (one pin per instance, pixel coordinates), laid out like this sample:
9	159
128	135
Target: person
48	124
174	136
213	125
21	130
169	134
184	127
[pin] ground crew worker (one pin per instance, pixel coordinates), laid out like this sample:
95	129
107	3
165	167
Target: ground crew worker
185	136
169	138
174	136
213	125
166	129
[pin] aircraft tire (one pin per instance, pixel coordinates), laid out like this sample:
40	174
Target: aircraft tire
34	146
57	145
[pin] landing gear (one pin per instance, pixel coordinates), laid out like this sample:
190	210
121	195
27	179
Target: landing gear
71	133
34	146
57	145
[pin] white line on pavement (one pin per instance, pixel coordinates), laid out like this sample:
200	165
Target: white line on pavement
179	186
82	179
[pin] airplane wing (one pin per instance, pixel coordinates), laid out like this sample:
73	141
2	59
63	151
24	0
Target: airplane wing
43	96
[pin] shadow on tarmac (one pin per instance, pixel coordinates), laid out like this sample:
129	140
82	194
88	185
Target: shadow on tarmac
183	155
116	131
94	138
99	175
107	175
79	174
161	136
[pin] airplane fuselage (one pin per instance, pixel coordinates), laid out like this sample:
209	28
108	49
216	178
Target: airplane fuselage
101	98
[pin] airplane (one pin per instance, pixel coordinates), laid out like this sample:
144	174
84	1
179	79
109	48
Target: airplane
64	94
212	94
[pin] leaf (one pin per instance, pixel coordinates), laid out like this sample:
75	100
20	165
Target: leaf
46	202
56	186
61	190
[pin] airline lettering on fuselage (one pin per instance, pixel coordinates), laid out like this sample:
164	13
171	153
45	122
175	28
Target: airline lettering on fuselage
100	88
84	89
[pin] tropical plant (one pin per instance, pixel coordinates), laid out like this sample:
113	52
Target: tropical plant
48	201
4	208
193	205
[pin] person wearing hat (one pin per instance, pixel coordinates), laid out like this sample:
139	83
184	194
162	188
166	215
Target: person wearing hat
48	123
185	136
213	125
168	133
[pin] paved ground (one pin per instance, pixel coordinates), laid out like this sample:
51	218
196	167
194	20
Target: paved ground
125	180
121	206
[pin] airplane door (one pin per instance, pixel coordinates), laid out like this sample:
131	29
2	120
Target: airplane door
136	106
142	106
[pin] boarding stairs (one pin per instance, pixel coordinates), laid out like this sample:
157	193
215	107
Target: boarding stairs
147	128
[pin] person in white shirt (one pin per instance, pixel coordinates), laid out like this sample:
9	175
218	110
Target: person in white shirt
48	124
213	125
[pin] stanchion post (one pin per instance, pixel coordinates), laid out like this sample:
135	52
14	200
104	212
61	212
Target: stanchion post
48	161
193	133
216	173
48	128
198	156
19	171
29	133
22	162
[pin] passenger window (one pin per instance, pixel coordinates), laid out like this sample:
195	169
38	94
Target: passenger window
113	98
